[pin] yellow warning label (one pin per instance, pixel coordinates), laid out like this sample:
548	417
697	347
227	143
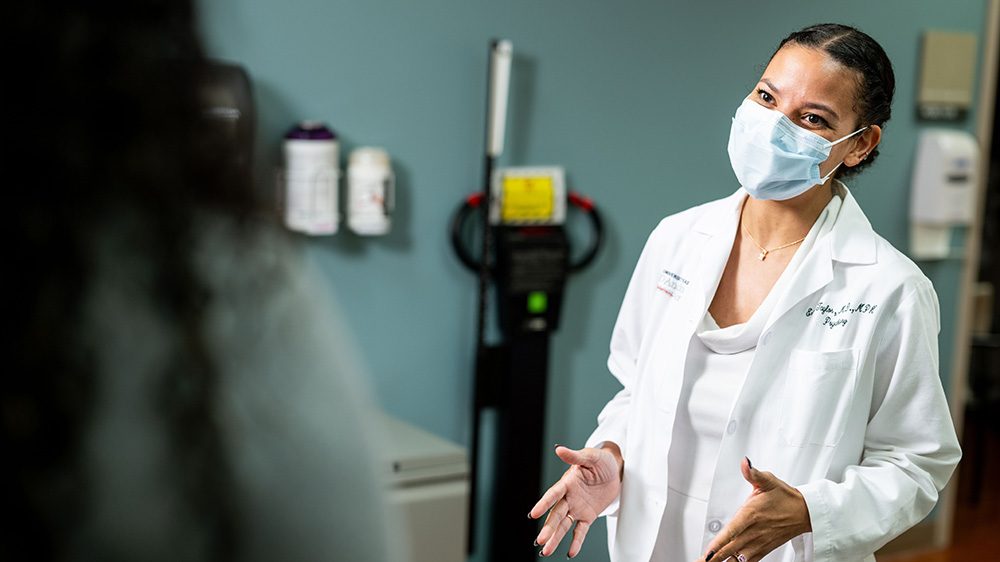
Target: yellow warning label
527	198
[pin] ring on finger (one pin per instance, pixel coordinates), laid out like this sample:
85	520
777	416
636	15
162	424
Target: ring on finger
740	557
571	520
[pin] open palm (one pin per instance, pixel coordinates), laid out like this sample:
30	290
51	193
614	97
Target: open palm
586	489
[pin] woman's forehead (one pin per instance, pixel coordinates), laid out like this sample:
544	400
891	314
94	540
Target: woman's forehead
805	75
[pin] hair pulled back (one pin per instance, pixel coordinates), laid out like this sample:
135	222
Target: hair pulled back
856	51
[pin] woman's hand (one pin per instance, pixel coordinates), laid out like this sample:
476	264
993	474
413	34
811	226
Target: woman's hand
773	514
589	486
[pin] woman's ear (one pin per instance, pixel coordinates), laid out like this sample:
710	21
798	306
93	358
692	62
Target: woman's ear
867	141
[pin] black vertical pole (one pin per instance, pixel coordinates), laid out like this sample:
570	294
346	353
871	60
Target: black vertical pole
519	457
481	368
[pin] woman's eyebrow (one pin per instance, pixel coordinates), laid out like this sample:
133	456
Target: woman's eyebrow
770	85
809	105
822	107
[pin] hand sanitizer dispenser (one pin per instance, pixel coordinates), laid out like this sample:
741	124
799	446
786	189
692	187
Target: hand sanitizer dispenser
943	190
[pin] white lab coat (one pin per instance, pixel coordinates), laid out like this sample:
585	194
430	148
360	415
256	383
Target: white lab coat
842	399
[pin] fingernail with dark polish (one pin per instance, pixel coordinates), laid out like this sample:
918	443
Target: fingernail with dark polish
557	445
711	553
750	464
536	543
540	554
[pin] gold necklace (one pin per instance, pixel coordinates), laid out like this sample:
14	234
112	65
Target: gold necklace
764	251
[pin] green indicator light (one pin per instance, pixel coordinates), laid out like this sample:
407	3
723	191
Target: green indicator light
538	302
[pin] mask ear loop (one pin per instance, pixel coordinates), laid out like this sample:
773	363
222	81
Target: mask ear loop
842	139
825	178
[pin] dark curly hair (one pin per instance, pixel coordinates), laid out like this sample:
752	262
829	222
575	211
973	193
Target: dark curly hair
104	122
856	51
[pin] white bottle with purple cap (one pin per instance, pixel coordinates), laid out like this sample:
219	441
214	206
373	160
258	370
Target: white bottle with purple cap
311	176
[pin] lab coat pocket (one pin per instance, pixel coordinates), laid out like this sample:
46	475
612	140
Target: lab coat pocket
818	391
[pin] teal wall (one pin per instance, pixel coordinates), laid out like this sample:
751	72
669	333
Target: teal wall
634	98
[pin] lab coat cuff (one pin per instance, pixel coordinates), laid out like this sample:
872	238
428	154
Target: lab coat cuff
820	518
607	432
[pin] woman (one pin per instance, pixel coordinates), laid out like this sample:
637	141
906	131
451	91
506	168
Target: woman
772	325
178	387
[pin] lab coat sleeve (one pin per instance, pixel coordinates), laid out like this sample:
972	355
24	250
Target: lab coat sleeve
910	447
626	340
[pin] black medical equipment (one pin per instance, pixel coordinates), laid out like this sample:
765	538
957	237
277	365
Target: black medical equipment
525	255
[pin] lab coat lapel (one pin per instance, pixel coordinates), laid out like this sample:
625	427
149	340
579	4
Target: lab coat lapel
709	243
719	226
815	272
852	240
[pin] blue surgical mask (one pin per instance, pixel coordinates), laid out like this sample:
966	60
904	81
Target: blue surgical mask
774	158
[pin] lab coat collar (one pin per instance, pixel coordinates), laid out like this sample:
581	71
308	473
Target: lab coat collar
852	239
721	220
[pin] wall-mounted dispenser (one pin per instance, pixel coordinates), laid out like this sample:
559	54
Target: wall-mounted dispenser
947	75
943	190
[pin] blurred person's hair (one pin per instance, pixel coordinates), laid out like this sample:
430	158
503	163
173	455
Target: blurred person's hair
104	125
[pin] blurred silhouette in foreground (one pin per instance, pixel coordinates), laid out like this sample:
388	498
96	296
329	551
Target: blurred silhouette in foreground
180	387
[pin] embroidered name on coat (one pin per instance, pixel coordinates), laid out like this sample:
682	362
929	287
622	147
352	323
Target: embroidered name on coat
834	317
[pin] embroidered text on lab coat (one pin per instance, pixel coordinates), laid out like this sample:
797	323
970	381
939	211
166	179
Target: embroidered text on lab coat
833	317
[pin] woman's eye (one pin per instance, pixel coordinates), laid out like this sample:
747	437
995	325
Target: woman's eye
765	96
814	119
